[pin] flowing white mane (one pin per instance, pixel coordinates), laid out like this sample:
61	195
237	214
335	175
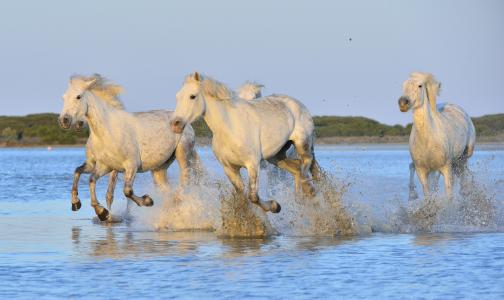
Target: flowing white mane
212	87
432	85
103	88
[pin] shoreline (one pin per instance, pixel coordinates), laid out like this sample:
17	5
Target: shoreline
322	143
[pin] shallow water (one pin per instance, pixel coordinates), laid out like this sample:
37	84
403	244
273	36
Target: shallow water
48	251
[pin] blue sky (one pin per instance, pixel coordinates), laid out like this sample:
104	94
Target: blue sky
301	48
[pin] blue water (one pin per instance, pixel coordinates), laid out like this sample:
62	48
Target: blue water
48	251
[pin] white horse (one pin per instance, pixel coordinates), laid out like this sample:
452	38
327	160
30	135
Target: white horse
442	137
122	142
250	90
246	132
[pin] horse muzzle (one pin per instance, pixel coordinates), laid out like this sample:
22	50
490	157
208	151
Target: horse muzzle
404	104
65	122
79	125
177	125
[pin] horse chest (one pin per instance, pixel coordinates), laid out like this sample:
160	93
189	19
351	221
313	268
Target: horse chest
429	155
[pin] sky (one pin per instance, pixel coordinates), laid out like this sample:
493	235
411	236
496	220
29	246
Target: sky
346	58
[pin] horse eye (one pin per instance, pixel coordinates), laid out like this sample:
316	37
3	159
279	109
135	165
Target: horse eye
420	86
78	97
193	97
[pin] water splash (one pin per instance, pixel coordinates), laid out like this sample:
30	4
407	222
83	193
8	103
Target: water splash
341	207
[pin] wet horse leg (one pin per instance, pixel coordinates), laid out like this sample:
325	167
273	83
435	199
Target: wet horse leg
233	173
448	180
253	173
86	167
412	191
111	188
160	179
183	155
422	174
129	178
304	150
292	166
101	212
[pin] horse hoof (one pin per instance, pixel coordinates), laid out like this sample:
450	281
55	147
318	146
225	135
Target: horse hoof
76	206
275	207
147	200
104	215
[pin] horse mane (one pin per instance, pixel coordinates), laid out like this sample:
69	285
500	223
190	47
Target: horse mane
250	90
432	85
106	90
213	87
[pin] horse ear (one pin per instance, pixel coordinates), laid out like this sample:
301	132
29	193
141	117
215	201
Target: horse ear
196	76
90	83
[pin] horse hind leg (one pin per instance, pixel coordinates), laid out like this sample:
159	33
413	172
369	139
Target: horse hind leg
160	179
290	165
304	150
462	171
111	188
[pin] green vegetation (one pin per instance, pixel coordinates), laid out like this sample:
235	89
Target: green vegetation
41	129
37	129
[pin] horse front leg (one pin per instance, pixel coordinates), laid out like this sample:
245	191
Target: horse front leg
423	175
111	188
101	212
129	178
233	174
86	167
271	205
448	180
412	192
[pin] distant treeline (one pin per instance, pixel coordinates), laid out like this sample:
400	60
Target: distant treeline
43	129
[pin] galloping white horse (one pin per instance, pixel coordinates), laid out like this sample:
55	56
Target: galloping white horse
246	132
442	137
122	142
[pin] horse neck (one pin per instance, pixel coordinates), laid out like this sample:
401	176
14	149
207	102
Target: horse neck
98	116
426	119
216	113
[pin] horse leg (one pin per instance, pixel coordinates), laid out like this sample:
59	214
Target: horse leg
160	179
412	192
448	180
422	174
111	188
303	148
464	181
183	154
253	173
434	180
101	212
86	167
233	173
129	178
292	166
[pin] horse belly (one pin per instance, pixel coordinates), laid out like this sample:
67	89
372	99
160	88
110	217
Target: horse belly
156	141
